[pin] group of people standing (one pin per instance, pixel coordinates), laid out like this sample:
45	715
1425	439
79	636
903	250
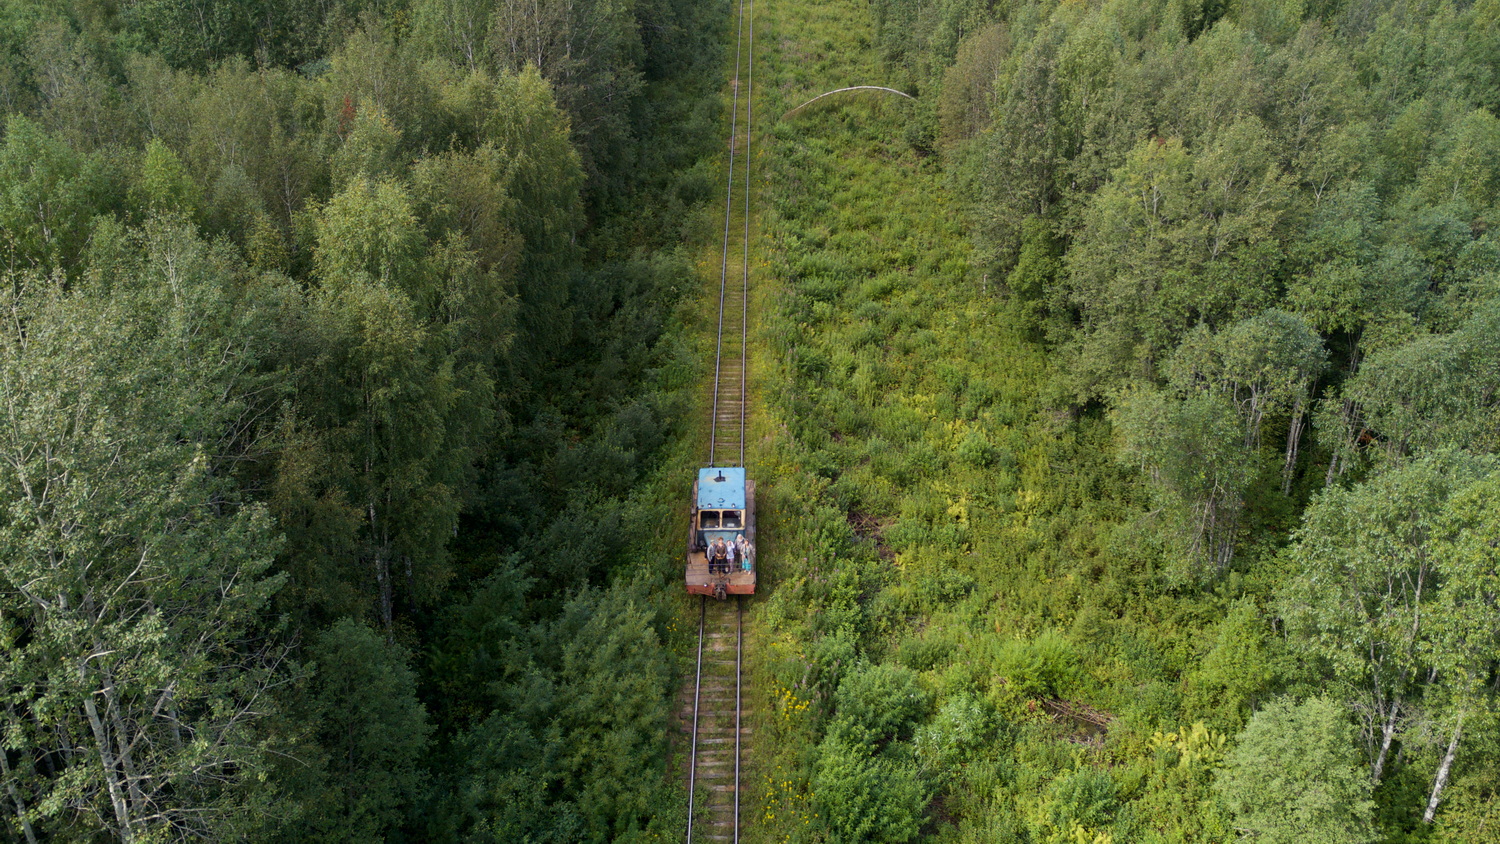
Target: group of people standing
725	557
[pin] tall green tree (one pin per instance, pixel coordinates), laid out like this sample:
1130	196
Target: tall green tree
133	574
1434	391
457	30
1027	146
384	392
48	192
591	53
1191	452
371	735
1265	365
581	720
1364	599
1176	239
1465	633
1292	776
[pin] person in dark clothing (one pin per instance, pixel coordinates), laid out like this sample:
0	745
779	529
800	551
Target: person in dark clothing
718	557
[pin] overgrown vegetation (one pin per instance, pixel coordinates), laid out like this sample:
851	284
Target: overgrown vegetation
1132	394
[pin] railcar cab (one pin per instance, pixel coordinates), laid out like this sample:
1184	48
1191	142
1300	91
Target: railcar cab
722	516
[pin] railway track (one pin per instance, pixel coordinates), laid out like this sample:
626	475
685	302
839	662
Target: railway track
727	427
717	734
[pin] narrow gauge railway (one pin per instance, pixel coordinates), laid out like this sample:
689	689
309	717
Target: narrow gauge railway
720	558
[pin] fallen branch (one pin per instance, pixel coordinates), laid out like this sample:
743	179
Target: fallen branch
1078	712
842	90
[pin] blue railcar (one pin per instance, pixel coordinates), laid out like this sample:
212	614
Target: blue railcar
723	511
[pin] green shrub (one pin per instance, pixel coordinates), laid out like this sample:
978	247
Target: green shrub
975	450
863	798
885	701
1234	671
965	726
1086	797
1154	705
1041	667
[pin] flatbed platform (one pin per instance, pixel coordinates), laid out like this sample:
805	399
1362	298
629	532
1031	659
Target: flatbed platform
700	582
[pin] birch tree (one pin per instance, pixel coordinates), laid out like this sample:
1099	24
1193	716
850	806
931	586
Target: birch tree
1265	366
132	576
1196	470
1467	626
1365	600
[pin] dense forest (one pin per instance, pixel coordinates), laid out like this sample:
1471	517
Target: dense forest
342	343
1135	406
1127	409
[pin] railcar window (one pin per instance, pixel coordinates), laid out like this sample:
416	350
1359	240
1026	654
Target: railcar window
731	519
708	519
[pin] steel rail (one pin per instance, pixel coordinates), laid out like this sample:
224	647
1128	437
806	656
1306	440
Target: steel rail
745	254
734	115
739	649
697	694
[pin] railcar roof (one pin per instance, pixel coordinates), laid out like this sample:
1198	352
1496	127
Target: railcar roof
721	488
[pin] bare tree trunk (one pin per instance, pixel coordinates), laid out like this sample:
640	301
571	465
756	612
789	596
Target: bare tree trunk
1388	733
382	571
1293	442
536	30
411	583
1257	417
111	770
169	698
112	711
1337	465
15	795
133	778
1442	775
